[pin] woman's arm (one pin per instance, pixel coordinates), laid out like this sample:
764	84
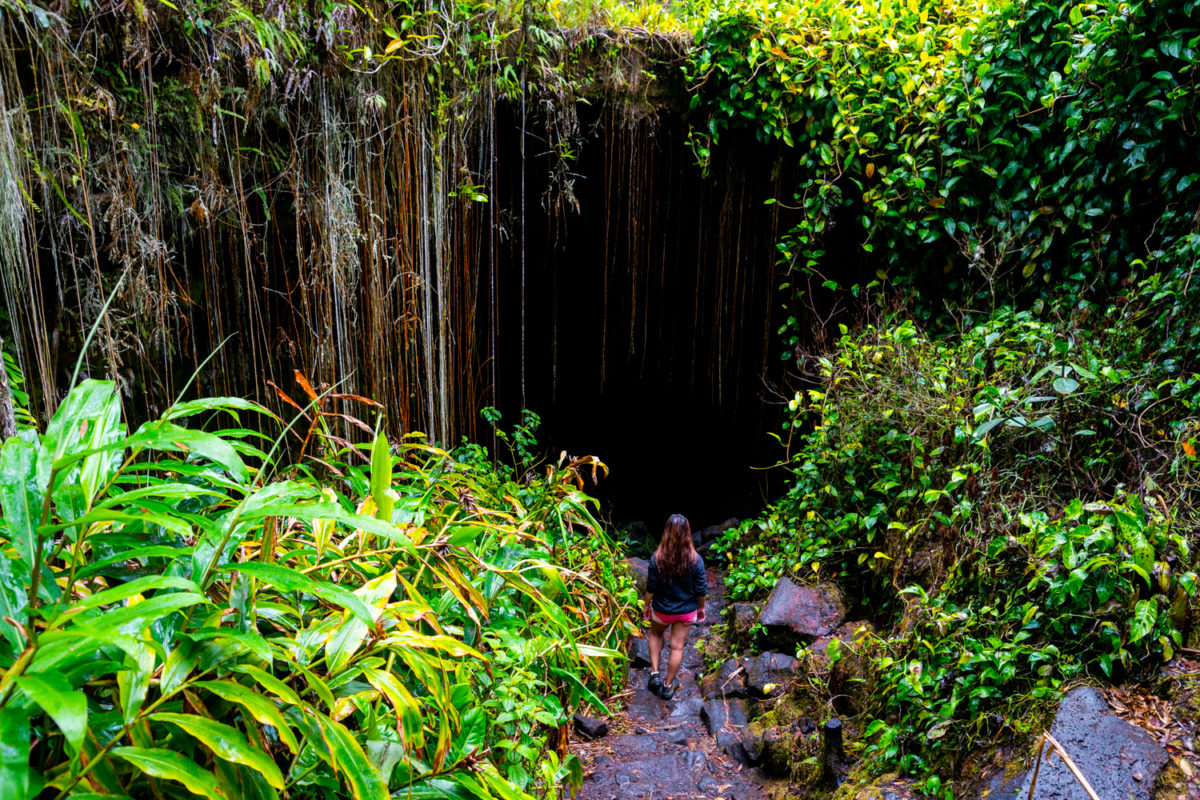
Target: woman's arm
646	606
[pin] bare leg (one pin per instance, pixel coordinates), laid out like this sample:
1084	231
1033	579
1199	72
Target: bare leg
679	634
654	638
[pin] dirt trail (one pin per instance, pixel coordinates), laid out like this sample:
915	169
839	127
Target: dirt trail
659	750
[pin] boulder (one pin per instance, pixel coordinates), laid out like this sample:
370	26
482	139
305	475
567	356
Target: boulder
704	537
640	569
1118	759
719	715
770	748
801	613
768	674
727	681
590	727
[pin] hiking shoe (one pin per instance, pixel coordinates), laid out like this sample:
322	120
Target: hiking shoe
655	682
667	692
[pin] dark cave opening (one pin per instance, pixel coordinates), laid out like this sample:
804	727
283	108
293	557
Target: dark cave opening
649	314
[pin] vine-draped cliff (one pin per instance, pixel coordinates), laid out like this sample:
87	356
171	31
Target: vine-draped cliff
425	224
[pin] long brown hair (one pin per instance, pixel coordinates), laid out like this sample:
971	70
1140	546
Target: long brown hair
675	554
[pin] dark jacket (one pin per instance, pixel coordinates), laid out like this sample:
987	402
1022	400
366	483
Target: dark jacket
677	596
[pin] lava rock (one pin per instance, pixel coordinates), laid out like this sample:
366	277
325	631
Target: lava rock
1109	752
704	537
694	760
623	779
776	755
639	653
767	669
753	740
731	744
721	714
709	785
640	568
687	708
741	618
768	748
590	727
676	736
727	681
801	613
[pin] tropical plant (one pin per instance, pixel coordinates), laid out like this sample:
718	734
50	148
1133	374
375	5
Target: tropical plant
175	620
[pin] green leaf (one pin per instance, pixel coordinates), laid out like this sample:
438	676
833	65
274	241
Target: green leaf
14	753
133	683
170	765
349	635
381	477
125	590
226	742
1145	614
384	756
289	580
230	404
133	618
269	681
406	707
20	495
351	762
65	705
253	642
261	708
1065	385
577	685
168	437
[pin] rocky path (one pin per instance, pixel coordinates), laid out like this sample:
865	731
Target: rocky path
677	750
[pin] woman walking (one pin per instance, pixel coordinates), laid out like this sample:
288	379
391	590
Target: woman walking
675	590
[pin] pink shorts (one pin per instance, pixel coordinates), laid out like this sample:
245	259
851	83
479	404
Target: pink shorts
667	619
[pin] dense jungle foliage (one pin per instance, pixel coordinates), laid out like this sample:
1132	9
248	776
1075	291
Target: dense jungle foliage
181	615
1014	503
999	208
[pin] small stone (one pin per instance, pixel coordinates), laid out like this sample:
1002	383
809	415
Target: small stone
767	675
708	785
694	760
1139	776
590	727
623	779
639	653
676	736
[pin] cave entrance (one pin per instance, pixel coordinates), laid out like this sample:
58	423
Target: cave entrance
644	331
